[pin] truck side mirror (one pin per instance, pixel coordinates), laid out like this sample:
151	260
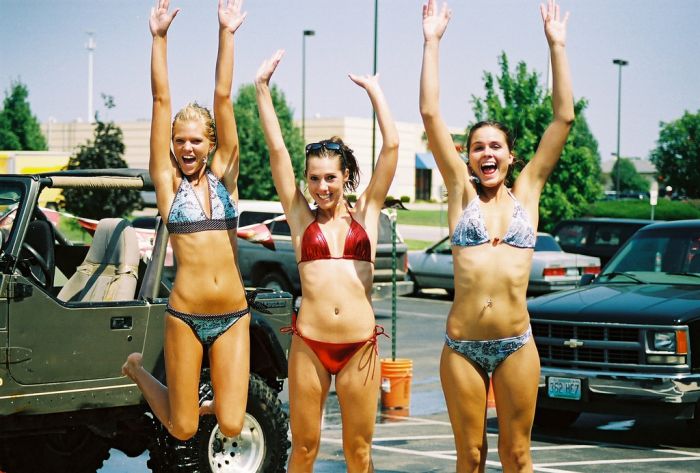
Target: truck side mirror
586	279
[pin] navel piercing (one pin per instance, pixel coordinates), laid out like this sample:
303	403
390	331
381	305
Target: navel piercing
489	302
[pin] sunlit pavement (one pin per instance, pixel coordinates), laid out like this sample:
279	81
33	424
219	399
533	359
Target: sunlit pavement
420	439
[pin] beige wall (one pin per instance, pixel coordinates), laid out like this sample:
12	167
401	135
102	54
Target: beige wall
356	132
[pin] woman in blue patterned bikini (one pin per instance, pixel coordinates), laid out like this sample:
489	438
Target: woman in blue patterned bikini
493	235
207	306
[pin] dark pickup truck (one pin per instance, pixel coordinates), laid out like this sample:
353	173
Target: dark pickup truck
277	269
628	341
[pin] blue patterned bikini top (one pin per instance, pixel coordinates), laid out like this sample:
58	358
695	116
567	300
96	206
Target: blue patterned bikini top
471	229
187	214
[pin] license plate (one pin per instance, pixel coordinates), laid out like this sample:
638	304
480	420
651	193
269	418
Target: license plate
564	388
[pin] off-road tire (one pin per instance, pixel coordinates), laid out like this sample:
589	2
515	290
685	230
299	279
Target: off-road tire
554	418
277	281
209	451
76	450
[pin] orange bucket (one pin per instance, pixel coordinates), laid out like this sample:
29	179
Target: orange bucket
396	383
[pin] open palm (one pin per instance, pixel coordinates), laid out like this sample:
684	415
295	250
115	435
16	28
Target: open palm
434	21
554	25
161	18
230	15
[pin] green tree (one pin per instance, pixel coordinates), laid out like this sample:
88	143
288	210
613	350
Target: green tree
19	129
104	152
630	179
677	154
255	181
525	108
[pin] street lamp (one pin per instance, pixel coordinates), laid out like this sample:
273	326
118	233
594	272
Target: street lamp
619	63
303	82
90	46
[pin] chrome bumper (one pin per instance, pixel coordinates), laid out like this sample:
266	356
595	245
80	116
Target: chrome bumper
382	290
673	389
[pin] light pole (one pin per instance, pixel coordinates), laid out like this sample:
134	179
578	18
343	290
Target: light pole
374	72
90	46
303	82
619	63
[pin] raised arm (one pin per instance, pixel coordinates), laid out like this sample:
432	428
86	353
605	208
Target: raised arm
224	164
451	166
373	197
160	166
293	201
537	171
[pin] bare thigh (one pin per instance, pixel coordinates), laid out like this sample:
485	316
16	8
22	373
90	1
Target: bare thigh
308	387
515	384
229	360
357	386
466	389
183	362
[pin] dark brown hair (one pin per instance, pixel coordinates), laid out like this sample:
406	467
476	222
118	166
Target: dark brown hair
347	161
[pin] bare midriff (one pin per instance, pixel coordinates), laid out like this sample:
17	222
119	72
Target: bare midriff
490	292
207	280
336	304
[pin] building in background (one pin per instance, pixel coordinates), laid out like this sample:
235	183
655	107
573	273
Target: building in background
416	175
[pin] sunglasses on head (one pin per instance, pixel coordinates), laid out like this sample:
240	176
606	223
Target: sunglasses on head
328	145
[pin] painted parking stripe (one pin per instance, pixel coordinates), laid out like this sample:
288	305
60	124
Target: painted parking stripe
411	437
563	447
620	461
397	450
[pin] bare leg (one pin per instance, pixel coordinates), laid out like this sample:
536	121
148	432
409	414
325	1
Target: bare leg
175	406
229	357
515	383
308	387
465	386
357	386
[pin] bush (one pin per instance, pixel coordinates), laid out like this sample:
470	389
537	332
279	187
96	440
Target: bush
665	210
405	199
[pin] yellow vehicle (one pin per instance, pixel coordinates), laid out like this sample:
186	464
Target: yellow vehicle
36	162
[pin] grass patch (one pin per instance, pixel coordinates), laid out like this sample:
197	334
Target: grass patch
665	210
418	244
431	218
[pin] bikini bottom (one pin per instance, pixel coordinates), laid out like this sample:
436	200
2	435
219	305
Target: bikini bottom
488	354
332	355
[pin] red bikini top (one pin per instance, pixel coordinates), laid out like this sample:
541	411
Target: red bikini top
357	246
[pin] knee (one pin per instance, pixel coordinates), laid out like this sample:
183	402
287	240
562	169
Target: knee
471	457
359	456
305	450
231	426
515	456
183	429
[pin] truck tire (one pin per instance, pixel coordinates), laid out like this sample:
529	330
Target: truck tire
277	281
261	447
416	286
76	450
554	418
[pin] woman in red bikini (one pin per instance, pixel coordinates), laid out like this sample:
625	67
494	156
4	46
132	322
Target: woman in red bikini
335	332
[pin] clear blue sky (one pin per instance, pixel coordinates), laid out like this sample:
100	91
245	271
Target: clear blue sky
42	43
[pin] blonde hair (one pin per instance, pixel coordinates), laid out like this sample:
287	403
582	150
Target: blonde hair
195	112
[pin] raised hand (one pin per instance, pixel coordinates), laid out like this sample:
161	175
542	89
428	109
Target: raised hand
161	18
268	67
554	26
367	82
434	21
230	16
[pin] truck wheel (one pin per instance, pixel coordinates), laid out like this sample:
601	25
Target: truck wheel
554	418
77	450
275	280
261	447
416	286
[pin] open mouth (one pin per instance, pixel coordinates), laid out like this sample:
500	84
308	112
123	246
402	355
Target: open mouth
488	168
324	196
189	159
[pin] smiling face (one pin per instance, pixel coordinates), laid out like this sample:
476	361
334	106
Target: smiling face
489	155
191	146
325	180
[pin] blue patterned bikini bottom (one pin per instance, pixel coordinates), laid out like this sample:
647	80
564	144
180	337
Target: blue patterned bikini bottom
488	354
207	328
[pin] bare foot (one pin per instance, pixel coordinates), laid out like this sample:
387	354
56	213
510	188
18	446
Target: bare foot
206	408
133	364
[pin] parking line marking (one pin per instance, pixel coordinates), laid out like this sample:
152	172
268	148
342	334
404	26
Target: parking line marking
423	315
562	447
412	437
620	461
679	452
418	420
398	450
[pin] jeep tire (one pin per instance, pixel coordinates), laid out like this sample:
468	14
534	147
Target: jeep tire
261	447
277	281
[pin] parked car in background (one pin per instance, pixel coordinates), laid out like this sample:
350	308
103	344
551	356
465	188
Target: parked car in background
552	269
600	237
629	343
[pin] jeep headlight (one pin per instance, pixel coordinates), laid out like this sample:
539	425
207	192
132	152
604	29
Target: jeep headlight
665	341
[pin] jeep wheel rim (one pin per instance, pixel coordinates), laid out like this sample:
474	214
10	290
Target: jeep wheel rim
244	453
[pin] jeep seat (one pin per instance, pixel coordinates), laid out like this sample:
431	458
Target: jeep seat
110	269
40	237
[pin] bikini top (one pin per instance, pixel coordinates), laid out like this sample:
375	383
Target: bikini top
187	214
471	229
357	245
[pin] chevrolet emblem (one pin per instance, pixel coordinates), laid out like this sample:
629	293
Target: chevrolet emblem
573	343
